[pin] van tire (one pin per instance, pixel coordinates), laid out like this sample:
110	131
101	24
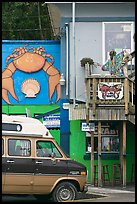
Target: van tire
64	191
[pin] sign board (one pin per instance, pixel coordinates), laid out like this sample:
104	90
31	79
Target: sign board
105	131
107	91
65	105
88	127
52	121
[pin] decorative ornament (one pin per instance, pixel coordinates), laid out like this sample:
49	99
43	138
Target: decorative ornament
30	87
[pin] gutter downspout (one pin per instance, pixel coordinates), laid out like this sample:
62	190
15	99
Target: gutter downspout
66	59
74	54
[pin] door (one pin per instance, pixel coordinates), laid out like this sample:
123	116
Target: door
50	165
18	166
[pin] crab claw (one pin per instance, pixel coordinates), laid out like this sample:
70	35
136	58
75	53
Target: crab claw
8	84
5	96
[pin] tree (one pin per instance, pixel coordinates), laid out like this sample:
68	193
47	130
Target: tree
26	21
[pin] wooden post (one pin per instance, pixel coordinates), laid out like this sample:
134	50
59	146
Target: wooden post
86	69
126	94
94	96
121	145
124	153
92	157
99	155
87	81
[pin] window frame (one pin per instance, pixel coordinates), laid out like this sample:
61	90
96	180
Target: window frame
103	36
110	136
3	146
19	155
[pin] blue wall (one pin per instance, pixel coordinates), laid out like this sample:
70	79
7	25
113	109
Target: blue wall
52	48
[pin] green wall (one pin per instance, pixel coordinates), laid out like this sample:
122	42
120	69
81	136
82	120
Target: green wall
78	138
34	109
78	149
130	149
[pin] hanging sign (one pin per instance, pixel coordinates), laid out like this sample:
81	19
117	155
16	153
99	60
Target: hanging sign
52	121
107	91
88	127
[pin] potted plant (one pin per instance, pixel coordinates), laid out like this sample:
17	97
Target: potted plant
85	61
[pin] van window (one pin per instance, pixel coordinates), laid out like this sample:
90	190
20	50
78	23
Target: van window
2	146
45	149
19	147
11	127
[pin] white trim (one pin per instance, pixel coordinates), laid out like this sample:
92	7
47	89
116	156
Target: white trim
74	52
132	33
103	36
67	48
103	42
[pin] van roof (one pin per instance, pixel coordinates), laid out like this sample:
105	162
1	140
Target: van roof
29	126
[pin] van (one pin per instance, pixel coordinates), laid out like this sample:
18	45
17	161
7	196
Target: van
33	162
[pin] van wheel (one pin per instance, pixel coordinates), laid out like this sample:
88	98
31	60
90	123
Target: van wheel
64	191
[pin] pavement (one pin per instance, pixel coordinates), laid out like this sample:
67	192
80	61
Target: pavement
112	194
94	194
130	188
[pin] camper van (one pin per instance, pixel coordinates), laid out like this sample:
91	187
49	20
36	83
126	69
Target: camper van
33	163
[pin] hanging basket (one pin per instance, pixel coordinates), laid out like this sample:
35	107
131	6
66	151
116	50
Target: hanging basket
85	61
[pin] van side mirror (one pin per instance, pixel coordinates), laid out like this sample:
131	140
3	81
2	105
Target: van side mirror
53	155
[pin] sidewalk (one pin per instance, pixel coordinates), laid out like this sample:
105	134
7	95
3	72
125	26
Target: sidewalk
113	194
112	189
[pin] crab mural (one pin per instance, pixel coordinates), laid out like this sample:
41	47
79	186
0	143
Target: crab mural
29	60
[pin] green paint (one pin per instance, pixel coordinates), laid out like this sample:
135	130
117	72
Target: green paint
130	156
78	139
34	110
78	150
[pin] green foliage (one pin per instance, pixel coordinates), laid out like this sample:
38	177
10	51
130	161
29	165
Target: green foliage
26	21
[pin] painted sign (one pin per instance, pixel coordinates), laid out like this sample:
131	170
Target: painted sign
107	91
52	121
105	131
31	72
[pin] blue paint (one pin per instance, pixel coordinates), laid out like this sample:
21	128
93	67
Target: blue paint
52	48
64	127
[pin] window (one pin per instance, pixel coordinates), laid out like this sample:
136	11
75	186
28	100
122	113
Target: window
2	146
11	127
19	147
22	115
109	140
117	36
46	149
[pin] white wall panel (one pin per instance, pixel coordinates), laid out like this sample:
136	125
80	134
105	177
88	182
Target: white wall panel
88	43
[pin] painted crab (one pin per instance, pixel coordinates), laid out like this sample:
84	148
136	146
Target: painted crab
29	61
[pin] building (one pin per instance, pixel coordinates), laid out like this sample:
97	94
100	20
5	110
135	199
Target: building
97	124
88	32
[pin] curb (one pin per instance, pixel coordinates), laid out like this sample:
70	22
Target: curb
108	190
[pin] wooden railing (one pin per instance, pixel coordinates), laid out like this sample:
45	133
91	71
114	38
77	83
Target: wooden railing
131	96
94	101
